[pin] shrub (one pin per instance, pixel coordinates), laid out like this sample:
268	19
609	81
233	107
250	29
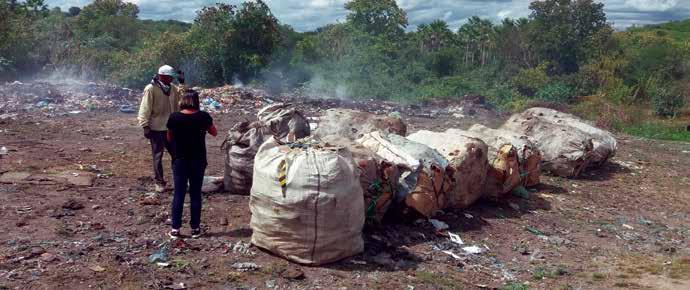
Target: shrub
556	93
668	102
529	81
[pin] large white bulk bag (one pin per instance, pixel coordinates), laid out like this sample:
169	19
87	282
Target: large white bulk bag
604	143
468	164
422	184
377	177
354	124
318	215
529	156
566	152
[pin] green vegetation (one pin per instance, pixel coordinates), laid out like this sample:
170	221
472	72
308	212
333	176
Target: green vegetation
564	53
658	130
515	286
437	280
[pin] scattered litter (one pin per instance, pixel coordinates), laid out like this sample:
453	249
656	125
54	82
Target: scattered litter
535	231
127	109
97	268
176	286
473	250
160	256
439	225
23	209
455	238
644	221
628	227
450	253
469	216
48	257
3	151
242	248
66	97
246	267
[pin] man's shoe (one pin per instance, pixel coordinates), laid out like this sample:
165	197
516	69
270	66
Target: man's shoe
196	233
160	188
174	234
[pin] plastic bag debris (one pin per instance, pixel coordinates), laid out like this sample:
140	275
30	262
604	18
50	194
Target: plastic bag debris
245	267
159	257
439	225
473	250
450	253
455	238
127	109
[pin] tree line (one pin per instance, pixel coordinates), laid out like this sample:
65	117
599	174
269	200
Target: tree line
564	50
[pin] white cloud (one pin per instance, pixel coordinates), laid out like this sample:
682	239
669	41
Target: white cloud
652	5
310	14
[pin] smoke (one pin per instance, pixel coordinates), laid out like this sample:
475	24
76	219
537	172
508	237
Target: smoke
237	83
319	87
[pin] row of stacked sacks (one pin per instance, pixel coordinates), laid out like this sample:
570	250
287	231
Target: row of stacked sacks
430	171
301	192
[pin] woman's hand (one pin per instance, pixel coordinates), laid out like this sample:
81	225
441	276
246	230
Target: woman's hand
213	131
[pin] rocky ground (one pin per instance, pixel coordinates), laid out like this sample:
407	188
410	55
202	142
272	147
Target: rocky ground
77	212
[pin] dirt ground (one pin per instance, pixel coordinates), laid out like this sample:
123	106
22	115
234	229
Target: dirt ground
625	225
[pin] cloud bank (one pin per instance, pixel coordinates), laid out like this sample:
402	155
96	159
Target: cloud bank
308	15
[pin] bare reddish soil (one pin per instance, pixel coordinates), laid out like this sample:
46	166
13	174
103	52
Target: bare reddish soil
625	225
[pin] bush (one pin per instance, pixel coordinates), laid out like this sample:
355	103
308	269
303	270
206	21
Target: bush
668	102
529	81
556	93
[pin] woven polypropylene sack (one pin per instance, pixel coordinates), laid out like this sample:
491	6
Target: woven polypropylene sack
467	166
318	216
284	121
353	124
423	183
240	148
244	139
566	152
529	155
604	144
377	177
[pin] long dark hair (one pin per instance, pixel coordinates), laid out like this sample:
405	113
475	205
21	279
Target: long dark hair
190	100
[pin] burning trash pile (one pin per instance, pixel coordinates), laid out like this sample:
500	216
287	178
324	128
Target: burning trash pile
372	169
227	99
68	97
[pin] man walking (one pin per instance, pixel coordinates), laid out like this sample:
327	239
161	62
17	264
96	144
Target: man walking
161	98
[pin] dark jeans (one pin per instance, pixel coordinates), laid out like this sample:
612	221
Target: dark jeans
159	143
187	172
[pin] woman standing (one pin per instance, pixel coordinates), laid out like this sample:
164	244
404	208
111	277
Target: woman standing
187	133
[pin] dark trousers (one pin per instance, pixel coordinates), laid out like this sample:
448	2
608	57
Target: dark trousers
159	143
187	172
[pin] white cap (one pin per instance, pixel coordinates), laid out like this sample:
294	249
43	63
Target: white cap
166	70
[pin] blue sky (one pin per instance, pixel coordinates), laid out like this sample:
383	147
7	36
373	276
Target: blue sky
306	15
